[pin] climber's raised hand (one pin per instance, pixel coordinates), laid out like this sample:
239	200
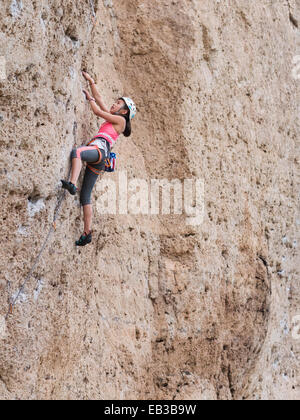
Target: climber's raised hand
88	77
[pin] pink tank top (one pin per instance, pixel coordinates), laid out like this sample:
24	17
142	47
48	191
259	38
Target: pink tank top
108	132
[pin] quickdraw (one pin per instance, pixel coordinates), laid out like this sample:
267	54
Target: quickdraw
110	163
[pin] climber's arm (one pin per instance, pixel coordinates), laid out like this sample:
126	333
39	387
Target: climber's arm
98	98
114	119
95	92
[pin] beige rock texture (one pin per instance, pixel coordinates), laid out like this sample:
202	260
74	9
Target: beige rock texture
155	307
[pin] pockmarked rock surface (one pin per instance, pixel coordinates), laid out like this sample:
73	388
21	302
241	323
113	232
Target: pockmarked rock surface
201	305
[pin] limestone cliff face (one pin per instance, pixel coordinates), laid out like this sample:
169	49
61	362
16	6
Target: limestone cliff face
155	307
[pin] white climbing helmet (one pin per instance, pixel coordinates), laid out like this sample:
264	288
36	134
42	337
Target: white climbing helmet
131	105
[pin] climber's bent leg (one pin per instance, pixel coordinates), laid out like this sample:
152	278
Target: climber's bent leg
84	153
76	168
90	177
87	153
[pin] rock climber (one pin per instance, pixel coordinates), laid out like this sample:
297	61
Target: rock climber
117	121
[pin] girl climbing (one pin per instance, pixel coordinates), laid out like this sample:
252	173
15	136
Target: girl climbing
117	121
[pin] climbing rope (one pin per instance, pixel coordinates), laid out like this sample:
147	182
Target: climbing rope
13	301
93	8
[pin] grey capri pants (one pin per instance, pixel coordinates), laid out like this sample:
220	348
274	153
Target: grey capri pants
90	155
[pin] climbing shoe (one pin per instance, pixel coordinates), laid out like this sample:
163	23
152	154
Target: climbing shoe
84	239
69	186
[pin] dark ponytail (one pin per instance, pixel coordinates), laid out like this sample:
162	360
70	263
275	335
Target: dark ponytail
127	131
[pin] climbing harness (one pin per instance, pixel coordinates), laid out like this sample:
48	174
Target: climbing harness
110	161
110	164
